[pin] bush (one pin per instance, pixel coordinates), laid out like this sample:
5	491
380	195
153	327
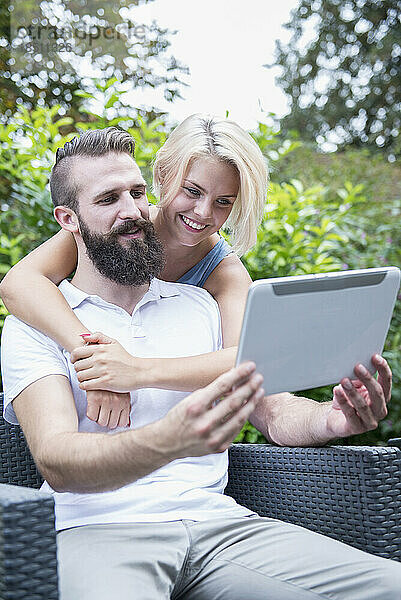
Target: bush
320	229
317	219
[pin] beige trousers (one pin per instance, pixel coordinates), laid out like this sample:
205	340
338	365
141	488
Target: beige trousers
247	558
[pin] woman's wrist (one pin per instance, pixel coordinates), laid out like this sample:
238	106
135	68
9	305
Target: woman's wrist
143	372
75	340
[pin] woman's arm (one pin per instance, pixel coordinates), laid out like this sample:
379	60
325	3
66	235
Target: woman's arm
107	365
29	290
229	284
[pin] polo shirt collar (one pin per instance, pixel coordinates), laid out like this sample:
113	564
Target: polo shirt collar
163	289
158	289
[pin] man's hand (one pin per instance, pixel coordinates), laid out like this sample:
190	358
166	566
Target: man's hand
104	364
108	409
360	404
208	420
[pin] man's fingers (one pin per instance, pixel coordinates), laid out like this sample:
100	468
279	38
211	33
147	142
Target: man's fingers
224	384
124	417
374	388
91	385
114	418
92	411
376	392
384	375
348	410
104	415
361	404
223	436
236	399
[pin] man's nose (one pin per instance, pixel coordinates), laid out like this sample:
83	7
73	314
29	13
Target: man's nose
128	208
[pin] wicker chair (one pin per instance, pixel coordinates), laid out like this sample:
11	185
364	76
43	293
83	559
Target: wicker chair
349	493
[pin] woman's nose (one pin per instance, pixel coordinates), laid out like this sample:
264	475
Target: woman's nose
203	209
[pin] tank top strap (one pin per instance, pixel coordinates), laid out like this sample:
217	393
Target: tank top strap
198	274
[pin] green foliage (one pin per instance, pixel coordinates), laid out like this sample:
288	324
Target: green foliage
343	81
27	147
381	180
321	212
250	435
300	233
371	227
330	227
3	314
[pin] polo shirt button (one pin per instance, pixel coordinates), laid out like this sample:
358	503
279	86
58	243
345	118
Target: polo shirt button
137	331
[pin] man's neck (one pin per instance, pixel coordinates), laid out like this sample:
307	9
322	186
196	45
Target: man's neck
88	279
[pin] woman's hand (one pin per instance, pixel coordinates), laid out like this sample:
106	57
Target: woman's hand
105	365
109	409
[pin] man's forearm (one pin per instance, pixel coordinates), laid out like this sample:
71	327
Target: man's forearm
289	420
92	462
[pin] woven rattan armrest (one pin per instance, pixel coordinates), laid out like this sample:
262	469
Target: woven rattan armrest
350	493
28	560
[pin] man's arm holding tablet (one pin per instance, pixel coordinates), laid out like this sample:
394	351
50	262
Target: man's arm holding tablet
289	420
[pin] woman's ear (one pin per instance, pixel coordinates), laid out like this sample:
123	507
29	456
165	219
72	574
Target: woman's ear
66	218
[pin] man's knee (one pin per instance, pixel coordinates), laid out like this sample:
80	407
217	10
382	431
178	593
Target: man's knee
390	580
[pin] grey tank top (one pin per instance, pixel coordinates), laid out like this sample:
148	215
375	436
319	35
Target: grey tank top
201	271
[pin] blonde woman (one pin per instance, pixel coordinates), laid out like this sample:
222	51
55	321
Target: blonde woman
209	173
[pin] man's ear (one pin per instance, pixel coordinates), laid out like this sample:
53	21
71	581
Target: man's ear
66	218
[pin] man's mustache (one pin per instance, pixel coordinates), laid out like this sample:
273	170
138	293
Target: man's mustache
132	225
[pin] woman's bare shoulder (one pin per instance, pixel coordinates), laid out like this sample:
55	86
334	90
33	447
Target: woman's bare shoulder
229	274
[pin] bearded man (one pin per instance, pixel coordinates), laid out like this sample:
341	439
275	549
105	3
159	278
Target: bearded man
140	512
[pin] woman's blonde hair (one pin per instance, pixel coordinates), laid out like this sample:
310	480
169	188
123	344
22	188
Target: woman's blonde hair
202	135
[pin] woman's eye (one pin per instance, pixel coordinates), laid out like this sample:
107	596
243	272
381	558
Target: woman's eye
192	191
223	202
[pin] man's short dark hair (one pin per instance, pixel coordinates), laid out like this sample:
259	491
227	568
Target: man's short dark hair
94	142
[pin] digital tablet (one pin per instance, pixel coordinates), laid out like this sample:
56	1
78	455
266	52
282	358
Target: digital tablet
310	331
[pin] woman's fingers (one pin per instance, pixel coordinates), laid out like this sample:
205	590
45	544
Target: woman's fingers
96	338
89	375
83	352
83	364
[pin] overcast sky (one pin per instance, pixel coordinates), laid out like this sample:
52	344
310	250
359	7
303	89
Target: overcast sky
224	43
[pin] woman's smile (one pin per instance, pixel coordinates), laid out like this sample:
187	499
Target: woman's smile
192	225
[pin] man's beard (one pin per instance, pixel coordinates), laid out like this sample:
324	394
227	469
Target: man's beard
134	263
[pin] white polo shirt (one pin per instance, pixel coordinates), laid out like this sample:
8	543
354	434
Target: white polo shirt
171	320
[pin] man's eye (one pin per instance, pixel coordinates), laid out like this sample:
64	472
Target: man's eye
107	200
137	193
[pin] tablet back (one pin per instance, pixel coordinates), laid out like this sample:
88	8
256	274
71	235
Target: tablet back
310	331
